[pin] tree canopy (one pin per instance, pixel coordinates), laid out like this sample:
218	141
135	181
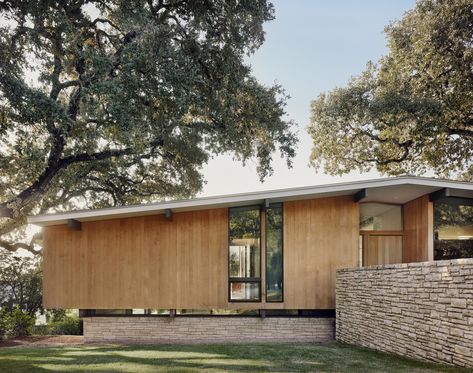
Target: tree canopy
412	111
114	102
20	283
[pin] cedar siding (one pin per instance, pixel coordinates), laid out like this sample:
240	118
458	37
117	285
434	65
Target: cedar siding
151	262
418	230
139	262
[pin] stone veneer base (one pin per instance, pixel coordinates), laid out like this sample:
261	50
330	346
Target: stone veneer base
421	310
213	329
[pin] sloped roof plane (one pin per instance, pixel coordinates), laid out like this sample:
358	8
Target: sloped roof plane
397	190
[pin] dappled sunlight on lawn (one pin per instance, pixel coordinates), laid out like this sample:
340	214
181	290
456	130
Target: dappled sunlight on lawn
125	367
133	359
146	354
40	358
307	362
168	354
275	358
228	361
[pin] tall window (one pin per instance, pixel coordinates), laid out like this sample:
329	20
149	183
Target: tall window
244	254
453	228
274	254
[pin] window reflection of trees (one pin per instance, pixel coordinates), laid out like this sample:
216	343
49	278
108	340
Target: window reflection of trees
453	230
245	228
274	255
245	253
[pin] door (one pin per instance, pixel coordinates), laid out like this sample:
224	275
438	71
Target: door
382	249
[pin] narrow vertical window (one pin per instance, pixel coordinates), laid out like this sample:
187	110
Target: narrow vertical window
453	228
274	253
244	254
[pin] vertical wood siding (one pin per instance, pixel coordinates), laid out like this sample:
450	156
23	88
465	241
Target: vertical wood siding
149	262
382	249
418	230
140	262
320	236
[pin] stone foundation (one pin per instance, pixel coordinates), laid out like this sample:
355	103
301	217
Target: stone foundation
197	329
420	310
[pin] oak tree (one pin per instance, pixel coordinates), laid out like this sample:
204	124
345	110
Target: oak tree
412	111
112	102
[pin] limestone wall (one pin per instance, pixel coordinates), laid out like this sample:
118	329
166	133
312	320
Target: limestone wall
422	310
193	329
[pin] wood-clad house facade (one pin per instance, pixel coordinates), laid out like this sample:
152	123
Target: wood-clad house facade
275	250
152	262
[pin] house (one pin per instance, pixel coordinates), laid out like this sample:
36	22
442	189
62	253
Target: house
198	269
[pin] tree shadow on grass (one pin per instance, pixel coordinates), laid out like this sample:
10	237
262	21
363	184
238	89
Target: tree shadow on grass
213	358
128	359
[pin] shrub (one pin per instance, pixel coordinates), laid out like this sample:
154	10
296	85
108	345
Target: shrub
20	283
55	315
67	325
20	323
4	321
41	330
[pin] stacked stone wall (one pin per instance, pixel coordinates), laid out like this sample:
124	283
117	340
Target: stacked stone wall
421	310
193	329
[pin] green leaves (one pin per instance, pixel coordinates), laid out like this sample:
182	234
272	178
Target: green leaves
413	111
20	284
133	98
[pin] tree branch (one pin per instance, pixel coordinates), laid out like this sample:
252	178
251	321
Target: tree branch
40	185
12	247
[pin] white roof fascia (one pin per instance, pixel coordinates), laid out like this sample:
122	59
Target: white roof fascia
345	188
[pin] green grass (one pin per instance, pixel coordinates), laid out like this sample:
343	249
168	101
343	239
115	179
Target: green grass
331	357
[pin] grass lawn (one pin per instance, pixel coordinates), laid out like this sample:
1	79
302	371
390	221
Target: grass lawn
331	357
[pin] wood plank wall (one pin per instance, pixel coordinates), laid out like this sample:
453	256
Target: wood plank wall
149	262
382	249
320	236
418	230
140	262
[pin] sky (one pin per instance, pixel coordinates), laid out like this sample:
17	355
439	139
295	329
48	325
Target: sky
311	47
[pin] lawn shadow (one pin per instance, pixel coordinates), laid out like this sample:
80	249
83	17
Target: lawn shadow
134	358
277	358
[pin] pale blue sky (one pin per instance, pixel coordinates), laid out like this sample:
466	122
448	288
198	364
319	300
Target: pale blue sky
312	46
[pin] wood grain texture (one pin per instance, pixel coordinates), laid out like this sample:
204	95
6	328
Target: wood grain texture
320	236
140	262
150	262
418	230
382	249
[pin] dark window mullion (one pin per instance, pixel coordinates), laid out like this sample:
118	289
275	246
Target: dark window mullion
244	279
274	272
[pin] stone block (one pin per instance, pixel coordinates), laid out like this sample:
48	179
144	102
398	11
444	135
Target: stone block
421	310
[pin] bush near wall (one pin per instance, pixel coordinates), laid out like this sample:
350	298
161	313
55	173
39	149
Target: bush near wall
66	325
21	323
69	325
17	323
3	322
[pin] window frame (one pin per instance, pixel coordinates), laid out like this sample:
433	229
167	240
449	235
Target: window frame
281	204
451	200
387	204
257	280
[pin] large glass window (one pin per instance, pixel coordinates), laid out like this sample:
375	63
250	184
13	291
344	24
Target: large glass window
274	253
453	229
244	254
380	217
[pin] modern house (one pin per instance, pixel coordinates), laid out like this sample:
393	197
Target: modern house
184	270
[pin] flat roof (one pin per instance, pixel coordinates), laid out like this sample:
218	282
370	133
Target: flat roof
398	190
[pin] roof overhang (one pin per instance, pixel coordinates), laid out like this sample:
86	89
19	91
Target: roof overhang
397	190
